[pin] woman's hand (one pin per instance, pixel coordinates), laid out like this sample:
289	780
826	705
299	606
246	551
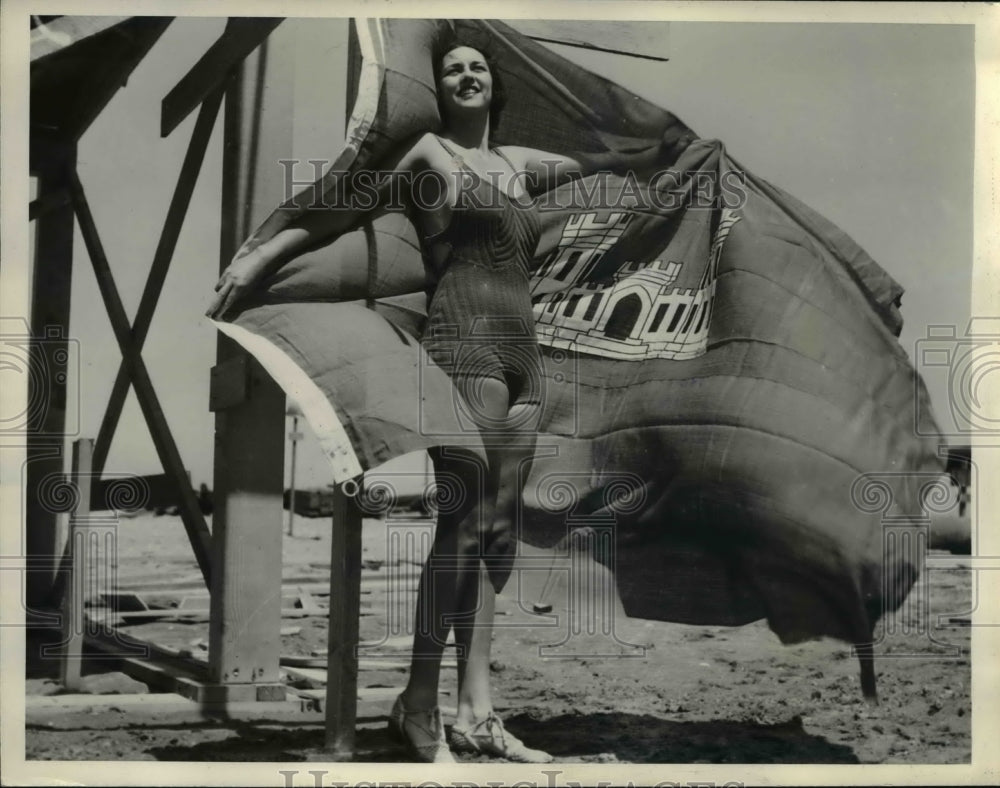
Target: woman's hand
239	278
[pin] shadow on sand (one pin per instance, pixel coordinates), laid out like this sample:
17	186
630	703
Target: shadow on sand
632	738
643	738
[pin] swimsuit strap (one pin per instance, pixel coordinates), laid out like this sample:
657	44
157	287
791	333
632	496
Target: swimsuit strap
451	151
458	157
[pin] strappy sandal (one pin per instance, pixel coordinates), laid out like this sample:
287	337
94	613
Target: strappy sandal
422	731
489	737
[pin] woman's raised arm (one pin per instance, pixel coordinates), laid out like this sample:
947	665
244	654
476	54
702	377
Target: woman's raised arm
313	228
546	170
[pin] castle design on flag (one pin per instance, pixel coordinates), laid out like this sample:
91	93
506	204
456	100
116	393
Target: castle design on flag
640	314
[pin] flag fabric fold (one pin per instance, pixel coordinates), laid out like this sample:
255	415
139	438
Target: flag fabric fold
721	362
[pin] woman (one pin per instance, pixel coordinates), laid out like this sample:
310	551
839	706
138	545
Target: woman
479	230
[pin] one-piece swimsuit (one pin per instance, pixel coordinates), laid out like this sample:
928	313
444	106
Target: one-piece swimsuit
479	316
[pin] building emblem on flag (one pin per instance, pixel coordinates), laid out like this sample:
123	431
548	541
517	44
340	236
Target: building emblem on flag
639	313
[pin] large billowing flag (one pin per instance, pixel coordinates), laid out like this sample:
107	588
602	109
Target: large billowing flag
723	370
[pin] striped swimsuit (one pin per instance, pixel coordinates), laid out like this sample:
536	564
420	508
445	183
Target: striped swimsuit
479	318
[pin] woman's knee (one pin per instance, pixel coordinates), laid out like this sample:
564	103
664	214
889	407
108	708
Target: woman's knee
469	541
486	401
462	536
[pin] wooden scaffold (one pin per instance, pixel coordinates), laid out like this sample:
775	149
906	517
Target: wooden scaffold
249	71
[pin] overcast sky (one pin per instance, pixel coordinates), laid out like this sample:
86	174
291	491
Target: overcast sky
871	125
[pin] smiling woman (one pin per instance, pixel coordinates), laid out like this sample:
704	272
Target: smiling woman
468	77
480	328
706	338
478	238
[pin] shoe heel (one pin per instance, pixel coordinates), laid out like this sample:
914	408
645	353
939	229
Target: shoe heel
396	732
459	742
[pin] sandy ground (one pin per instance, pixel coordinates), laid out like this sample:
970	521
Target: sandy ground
633	691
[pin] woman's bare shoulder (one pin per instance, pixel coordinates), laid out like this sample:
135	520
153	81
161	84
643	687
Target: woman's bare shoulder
529	158
423	153
517	154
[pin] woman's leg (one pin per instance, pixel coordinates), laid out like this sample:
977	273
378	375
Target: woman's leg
474	614
449	581
477	729
454	589
474	697
509	454
448	587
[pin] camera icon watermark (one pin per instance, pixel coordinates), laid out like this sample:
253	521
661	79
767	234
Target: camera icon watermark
84	598
49	366
967	364
910	507
118	493
504	348
584	562
579	572
408	503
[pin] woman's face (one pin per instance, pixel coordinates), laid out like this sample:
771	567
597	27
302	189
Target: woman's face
465	82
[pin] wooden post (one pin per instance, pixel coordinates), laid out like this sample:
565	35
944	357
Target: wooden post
244	633
345	609
345	565
76	588
295	437
51	414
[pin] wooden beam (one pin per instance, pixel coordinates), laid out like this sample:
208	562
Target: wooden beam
110	77
163	441
72	624
65	31
341	695
179	203
241	37
342	635
52	414
244	632
159	710
51	201
160	487
162	491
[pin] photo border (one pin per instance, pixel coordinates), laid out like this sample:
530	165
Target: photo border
14	296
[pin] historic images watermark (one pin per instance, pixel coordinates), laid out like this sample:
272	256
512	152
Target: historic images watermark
658	191
85	589
547	778
474	354
582	564
966	361
49	363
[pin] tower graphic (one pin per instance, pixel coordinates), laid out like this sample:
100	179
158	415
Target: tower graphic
639	313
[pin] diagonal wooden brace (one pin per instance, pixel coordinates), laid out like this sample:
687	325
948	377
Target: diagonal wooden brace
166	449
240	38
172	225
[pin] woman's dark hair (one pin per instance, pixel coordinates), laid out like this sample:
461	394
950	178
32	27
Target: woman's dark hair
499	96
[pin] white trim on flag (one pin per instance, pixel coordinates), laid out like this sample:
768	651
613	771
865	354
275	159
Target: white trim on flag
299	386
